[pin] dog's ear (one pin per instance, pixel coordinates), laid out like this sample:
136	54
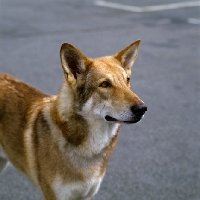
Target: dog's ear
128	55
72	60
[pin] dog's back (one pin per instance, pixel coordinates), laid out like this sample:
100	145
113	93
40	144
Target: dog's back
16	98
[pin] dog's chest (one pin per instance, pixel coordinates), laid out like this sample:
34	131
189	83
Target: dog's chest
76	190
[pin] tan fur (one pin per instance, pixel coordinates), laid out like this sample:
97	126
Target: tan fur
63	142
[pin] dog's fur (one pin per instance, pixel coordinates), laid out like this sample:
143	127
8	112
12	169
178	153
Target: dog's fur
63	142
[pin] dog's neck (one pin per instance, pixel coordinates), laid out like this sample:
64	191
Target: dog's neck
65	101
101	134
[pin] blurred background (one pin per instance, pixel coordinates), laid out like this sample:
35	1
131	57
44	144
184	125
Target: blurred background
158	158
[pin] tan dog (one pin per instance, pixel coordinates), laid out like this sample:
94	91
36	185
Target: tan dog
63	142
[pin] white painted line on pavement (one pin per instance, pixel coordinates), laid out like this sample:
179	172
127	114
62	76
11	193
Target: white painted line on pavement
147	8
193	21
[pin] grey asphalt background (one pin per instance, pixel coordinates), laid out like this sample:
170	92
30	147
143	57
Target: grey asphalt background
156	159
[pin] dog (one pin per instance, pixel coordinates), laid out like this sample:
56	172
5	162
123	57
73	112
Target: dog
63	142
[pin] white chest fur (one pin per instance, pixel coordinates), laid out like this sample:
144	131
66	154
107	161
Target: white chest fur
101	134
75	191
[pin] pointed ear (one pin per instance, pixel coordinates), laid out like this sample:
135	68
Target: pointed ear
72	60
128	55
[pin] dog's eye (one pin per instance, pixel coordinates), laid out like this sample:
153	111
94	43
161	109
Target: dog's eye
128	80
105	84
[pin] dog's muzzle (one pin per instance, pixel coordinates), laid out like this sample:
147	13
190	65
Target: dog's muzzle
138	112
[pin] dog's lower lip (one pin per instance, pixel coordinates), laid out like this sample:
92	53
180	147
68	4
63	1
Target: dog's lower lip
111	119
132	122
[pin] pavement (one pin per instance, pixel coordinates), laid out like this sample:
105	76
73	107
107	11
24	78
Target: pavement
156	159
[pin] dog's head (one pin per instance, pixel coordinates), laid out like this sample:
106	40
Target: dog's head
101	87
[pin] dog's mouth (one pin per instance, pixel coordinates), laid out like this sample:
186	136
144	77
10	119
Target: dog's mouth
111	119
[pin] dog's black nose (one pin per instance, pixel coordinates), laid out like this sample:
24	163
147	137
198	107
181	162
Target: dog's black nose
139	109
